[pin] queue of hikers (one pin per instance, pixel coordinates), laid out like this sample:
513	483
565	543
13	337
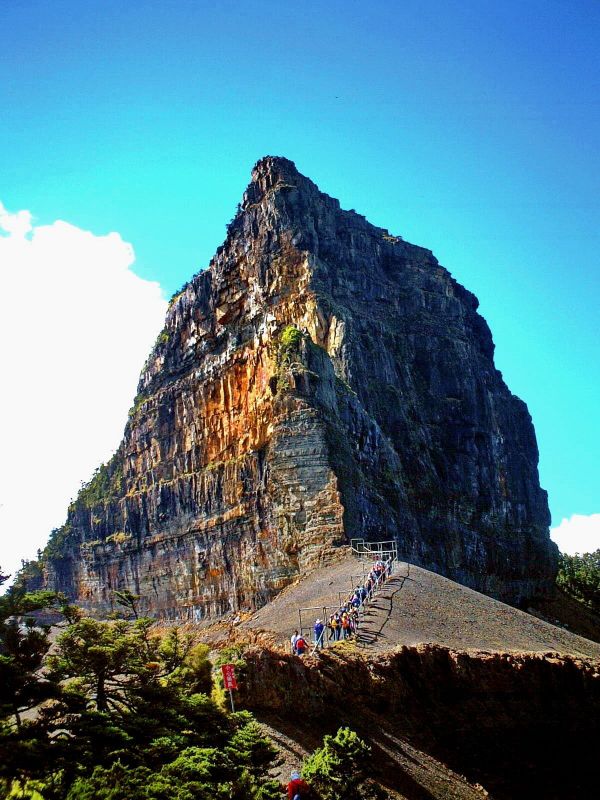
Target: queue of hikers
343	624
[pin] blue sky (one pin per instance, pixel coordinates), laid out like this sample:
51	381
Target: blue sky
471	128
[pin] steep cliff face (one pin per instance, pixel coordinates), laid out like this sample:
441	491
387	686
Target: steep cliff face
322	380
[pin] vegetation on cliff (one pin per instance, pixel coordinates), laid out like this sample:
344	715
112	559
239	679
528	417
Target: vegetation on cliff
106	483
287	352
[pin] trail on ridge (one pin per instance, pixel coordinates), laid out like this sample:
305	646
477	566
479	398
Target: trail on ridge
419	606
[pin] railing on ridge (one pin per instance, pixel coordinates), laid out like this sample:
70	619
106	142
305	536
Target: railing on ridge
375	551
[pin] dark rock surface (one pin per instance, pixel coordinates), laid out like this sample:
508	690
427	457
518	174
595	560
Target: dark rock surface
524	725
322	380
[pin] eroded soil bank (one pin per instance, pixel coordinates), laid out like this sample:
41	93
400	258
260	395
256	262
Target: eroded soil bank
522	725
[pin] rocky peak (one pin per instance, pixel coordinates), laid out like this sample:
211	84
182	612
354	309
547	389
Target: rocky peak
272	172
322	380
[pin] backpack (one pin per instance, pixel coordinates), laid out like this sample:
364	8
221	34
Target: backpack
302	792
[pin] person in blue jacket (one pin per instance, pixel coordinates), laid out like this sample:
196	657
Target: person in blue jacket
319	633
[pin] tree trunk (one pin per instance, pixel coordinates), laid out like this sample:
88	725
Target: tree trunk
101	699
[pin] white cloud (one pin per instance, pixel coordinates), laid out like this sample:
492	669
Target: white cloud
76	325
18	224
578	534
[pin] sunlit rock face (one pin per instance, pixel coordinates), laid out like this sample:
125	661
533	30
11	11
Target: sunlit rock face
321	380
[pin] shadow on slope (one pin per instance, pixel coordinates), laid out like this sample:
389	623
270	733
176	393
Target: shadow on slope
562	609
522	725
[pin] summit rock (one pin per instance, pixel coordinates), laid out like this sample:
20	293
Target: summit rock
322	380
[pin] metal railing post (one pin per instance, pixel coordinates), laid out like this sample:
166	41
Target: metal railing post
384	552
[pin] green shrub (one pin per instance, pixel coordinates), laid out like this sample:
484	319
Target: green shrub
195	673
290	339
106	484
250	748
176	295
119	537
337	769
137	404
89	545
289	346
57	540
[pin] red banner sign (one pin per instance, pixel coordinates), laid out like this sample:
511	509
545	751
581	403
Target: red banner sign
229	680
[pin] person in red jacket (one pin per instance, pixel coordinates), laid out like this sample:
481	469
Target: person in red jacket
297	789
301	645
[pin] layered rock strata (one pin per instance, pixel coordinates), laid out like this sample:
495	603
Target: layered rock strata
321	380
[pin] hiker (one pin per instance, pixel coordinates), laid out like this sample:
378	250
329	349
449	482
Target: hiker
337	623
331	628
301	645
293	640
345	625
297	789
319	633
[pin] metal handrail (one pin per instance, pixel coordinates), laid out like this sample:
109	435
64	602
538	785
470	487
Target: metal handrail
362	548
379	581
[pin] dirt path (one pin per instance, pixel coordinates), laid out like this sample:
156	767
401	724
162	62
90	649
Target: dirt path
419	606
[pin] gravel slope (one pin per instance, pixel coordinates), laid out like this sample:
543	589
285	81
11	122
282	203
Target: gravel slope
419	606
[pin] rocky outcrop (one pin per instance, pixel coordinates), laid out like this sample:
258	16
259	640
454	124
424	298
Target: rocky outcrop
524	725
321	380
